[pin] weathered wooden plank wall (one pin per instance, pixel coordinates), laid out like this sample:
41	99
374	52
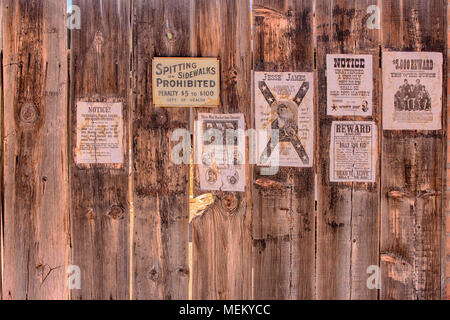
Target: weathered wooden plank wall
221	234
161	187
35	146
99	216
283	228
127	226
347	228
412	168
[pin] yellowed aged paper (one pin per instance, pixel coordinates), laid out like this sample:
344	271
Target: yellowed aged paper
412	91
220	152
353	151
349	85
186	82
284	105
99	133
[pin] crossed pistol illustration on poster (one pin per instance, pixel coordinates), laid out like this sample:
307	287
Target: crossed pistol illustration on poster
286	121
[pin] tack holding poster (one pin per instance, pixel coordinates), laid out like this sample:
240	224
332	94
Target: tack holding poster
349	85
353	151
186	82
284	102
220	152
99	133
412	90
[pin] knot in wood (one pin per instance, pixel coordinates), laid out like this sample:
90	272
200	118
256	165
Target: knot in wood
116	213
230	202
28	114
160	117
153	275
170	35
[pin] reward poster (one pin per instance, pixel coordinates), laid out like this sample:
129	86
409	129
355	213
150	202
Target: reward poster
412	91
353	151
349	85
284	102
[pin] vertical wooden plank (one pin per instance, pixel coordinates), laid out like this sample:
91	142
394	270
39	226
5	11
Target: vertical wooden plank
35	168
348	213
221	234
445	290
284	204
99	217
1	148
161	187
412	168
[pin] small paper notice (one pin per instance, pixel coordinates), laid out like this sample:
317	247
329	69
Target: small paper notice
99	133
349	85
220	152
353	151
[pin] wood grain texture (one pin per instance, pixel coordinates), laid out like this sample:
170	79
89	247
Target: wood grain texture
348	215
283	227
35	148
412	164
100	69
1	149
161	187
221	235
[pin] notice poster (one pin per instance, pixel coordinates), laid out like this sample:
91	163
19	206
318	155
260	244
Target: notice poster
99	133
349	85
412	91
186	82
284	118
353	151
220	152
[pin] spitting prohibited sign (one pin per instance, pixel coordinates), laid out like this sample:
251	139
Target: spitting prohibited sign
186	82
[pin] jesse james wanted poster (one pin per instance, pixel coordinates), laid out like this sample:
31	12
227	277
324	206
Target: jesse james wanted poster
220	152
412	91
353	151
284	103
349	85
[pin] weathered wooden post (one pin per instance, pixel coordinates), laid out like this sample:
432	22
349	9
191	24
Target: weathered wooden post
412	167
99	179
283	230
160	186
348	211
36	212
221	234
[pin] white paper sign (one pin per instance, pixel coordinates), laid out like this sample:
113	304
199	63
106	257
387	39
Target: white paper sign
412	91
353	151
284	103
349	85
99	133
220	152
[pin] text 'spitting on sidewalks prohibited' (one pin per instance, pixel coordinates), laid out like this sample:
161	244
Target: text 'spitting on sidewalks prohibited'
353	151
186	82
99	133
